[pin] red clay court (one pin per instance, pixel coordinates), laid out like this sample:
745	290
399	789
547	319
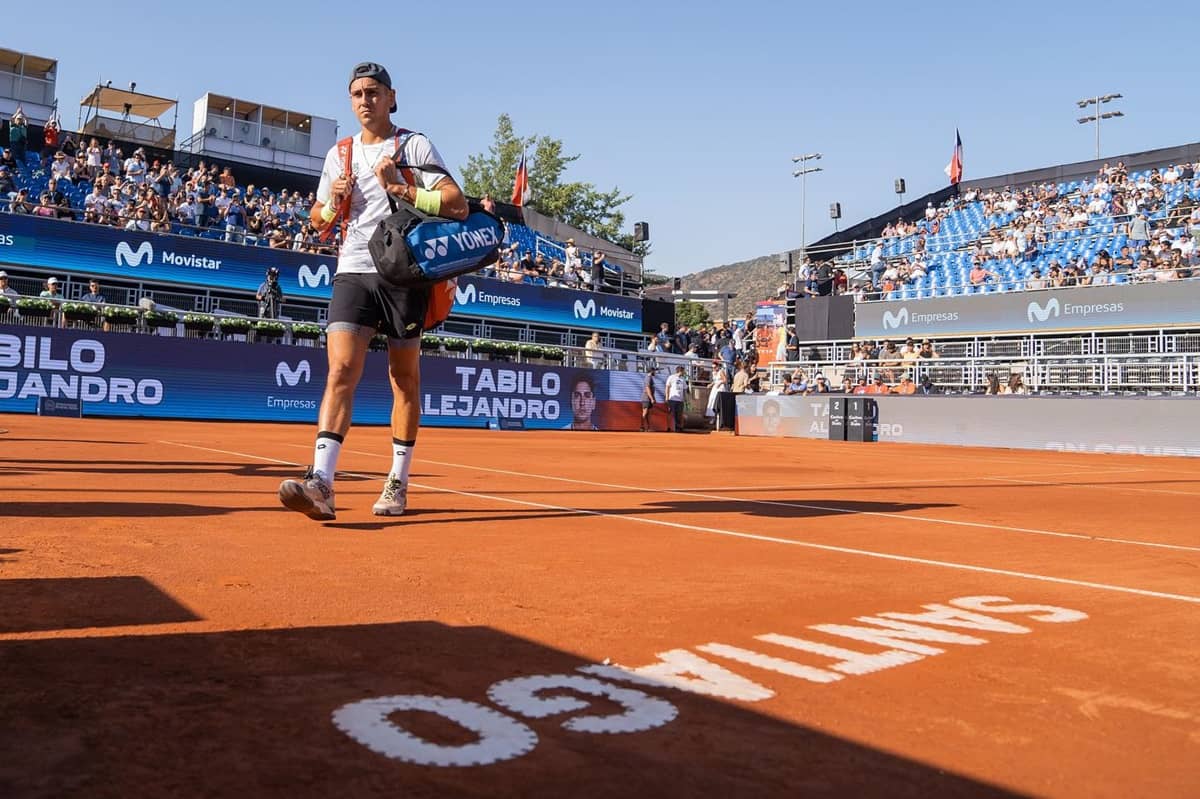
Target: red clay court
592	614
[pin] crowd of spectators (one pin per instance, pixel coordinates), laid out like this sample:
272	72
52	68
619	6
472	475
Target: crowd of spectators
97	183
1158	240
134	193
518	264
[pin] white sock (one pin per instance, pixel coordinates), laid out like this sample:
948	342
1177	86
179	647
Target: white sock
325	456
402	458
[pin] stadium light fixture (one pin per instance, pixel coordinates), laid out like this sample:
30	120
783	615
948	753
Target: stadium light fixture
803	172
1096	117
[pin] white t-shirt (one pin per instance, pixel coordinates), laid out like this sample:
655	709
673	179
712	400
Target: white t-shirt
676	385
368	200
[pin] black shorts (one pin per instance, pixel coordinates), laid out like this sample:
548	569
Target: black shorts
367	300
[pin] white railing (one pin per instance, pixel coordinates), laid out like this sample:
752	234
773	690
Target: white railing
1160	372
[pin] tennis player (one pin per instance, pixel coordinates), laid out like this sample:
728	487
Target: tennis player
362	303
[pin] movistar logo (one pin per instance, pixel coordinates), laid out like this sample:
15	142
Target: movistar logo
436	246
292	377
464	296
894	320
311	278
127	256
585	310
1042	313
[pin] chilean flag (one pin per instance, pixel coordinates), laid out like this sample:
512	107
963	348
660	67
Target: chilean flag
520	193
955	167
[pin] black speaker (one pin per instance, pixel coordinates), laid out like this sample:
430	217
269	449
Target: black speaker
785	263
837	418
641	231
835	210
899	185
677	284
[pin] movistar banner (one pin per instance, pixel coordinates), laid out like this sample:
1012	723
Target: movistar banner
96	250
1081	308
561	307
124	374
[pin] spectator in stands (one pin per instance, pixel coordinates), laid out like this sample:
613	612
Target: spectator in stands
820	386
8	160
93	293
927	350
235	220
205	204
270	295
1015	385
877	264
227	179
664	337
61	168
905	386
279	239
993	384
878	386
592	349
18	135
979	275
5	289
741	378
7	185
50	134
1139	231
51	292
597	272
20	203
796	384
94	155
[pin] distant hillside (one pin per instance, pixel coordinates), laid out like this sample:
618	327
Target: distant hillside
753	280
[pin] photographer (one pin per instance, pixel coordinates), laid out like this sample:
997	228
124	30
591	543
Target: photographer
270	296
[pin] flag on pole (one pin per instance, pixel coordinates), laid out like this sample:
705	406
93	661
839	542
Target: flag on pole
520	193
954	169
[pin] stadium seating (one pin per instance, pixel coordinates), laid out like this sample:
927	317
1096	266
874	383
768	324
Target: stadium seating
948	251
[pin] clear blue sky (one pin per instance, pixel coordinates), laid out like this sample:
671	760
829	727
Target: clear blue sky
694	108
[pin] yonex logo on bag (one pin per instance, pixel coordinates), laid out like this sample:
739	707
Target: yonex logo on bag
127	256
894	320
1042	313
585	310
292	377
313	278
464	296
437	246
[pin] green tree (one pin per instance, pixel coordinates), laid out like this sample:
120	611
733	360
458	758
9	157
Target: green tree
692	314
580	205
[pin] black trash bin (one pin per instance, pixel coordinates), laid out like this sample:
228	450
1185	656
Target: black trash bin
837	418
862	416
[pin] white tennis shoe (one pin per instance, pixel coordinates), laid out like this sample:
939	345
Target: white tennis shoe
393	499
309	495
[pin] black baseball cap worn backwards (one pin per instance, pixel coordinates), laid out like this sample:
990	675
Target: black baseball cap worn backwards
369	69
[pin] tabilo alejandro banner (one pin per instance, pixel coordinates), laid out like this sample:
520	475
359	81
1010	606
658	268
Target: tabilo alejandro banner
1080	308
118	374
102	251
563	307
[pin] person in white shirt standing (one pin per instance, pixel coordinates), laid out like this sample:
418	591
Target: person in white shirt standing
676	392
363	303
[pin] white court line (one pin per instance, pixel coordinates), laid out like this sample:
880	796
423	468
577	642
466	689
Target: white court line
1105	487
871	484
754	537
802	505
